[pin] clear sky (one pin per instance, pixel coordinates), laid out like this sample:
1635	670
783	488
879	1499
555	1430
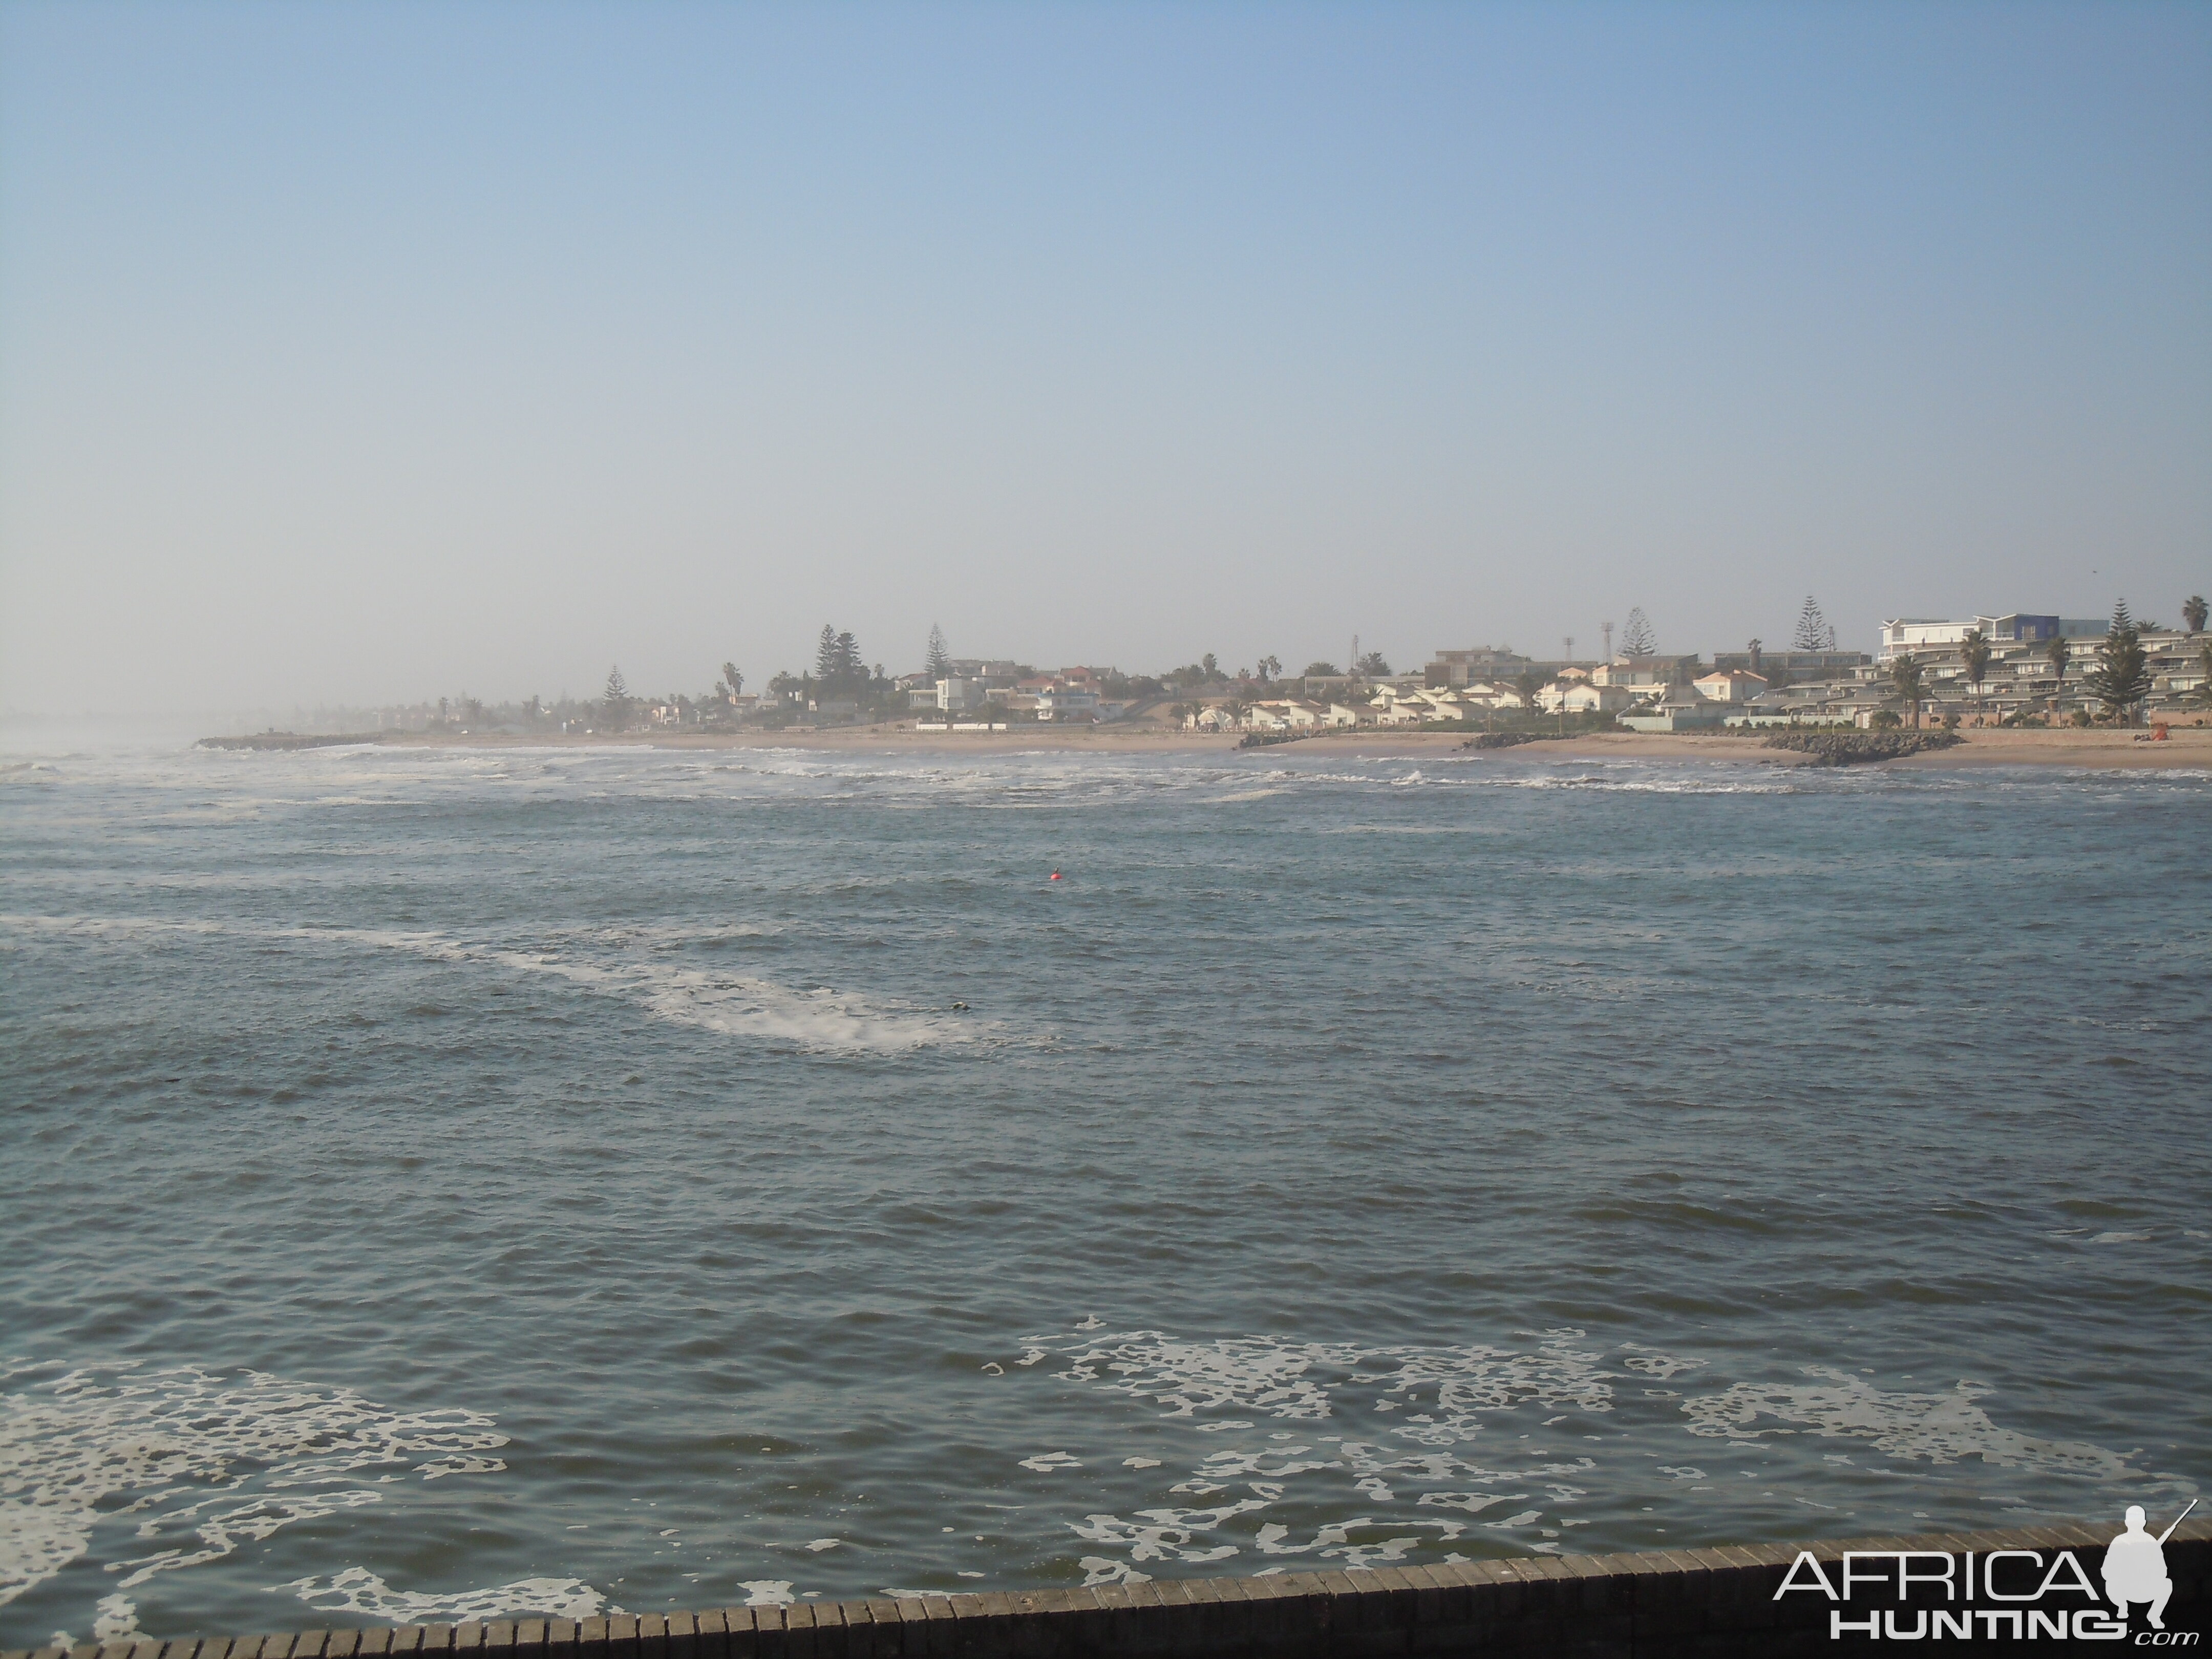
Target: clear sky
374	351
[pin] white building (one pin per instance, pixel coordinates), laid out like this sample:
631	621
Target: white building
1066	703
957	696
1729	685
1583	698
1925	636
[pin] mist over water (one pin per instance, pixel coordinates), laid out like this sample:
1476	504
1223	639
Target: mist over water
445	1183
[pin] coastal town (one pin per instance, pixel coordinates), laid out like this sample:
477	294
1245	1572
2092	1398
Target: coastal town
2016	669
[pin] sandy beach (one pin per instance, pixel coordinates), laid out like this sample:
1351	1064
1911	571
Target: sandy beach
2189	747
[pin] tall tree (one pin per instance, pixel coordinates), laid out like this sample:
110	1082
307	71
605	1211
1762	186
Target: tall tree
1974	651
2194	613
1909	681
614	700
1637	639
826	659
734	683
1813	633
1270	666
2058	651
1212	667
2121	678
1527	682
937	663
1373	665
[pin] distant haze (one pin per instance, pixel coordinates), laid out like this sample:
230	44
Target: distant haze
370	352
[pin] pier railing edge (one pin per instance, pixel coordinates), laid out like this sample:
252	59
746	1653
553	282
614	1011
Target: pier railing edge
1706	1601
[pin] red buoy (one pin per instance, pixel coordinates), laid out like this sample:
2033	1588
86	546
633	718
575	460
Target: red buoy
1055	875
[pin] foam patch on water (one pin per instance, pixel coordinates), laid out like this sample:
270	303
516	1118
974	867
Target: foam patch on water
359	1591
1404	1439
816	1019
205	1462
1296	1381
1426	1402
1938	1428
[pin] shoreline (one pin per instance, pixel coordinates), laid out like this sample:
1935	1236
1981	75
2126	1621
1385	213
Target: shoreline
2188	748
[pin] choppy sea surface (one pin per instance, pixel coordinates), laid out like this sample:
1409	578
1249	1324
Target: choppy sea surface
443	1184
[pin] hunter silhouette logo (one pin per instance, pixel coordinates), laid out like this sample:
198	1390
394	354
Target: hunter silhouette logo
2013	1594
2135	1566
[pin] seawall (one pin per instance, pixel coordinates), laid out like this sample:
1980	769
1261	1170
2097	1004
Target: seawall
1681	1604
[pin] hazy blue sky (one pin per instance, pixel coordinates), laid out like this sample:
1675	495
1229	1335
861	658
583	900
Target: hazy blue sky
370	351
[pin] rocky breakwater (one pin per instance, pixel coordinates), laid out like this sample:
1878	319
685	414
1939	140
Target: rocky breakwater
1855	748
291	740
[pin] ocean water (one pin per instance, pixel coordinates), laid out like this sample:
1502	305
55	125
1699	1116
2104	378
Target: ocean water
444	1184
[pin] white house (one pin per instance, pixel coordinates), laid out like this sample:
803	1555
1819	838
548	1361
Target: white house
1581	697
1067	702
1729	685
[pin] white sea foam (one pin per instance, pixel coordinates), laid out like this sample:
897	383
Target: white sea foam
359	1591
1434	1401
1426	1408
1260	1373
819	1019
1104	1570
1046	1462
1295	1380
115	1618
1939	1428
206	1461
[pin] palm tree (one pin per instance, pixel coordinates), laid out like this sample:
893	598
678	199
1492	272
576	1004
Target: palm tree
1974	649
1526	683
2058	651
1910	683
2194	612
